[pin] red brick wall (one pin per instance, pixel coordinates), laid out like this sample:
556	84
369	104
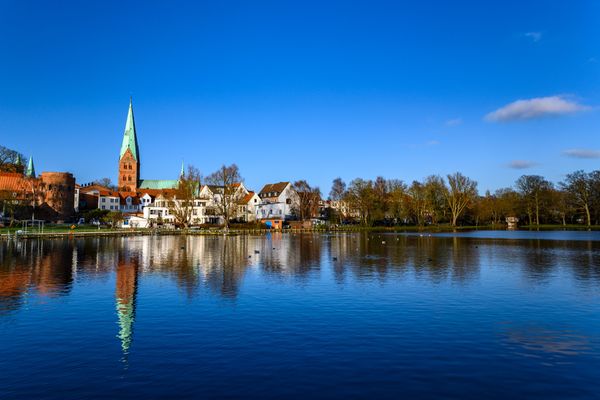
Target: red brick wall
129	173
59	192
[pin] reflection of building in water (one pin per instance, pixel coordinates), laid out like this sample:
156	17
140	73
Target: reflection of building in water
216	262
33	266
125	296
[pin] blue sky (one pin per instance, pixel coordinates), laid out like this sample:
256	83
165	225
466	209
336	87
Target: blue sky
313	90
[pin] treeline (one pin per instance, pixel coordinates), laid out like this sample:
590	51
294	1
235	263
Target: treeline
454	200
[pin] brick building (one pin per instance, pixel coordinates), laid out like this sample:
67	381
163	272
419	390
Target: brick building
51	196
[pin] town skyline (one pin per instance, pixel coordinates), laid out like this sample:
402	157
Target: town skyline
248	91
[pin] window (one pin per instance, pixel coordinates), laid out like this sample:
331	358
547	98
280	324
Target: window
103	207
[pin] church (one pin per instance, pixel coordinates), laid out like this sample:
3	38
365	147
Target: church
129	163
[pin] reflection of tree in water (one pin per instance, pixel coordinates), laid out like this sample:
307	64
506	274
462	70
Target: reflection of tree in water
218	262
304	254
175	257
289	254
538	258
364	255
48	267
465	259
272	252
431	258
585	259
224	271
377	255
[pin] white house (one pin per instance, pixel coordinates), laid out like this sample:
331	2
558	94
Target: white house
108	200
134	221
247	207
277	201
206	206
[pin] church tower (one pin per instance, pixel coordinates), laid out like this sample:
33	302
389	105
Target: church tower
129	158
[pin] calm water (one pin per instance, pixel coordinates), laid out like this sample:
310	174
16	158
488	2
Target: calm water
309	316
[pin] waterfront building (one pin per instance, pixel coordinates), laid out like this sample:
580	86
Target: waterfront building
24	195
129	162
146	202
277	203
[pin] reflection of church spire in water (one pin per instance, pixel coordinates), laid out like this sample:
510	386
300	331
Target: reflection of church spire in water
125	297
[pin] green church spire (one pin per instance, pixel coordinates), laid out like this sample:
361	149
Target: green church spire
130	137
182	172
30	171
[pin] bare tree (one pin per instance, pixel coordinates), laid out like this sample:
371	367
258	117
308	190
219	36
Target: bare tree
580	189
338	188
106	182
533	188
460	194
398	196
417	202
380	198
229	195
8	158
435	200
308	199
181	203
360	197
337	193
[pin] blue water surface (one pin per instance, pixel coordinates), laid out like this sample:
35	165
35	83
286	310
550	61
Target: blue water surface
301	316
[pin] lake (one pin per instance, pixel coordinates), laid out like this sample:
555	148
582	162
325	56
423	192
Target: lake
469	315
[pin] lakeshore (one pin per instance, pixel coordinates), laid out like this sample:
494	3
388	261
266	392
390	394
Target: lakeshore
61	231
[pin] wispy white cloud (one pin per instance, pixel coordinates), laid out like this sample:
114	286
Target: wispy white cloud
535	108
432	143
582	153
533	36
521	164
454	122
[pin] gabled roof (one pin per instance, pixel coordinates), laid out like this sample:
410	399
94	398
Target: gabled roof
134	197
246	199
129	136
158	184
215	188
274	187
108	193
157	192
